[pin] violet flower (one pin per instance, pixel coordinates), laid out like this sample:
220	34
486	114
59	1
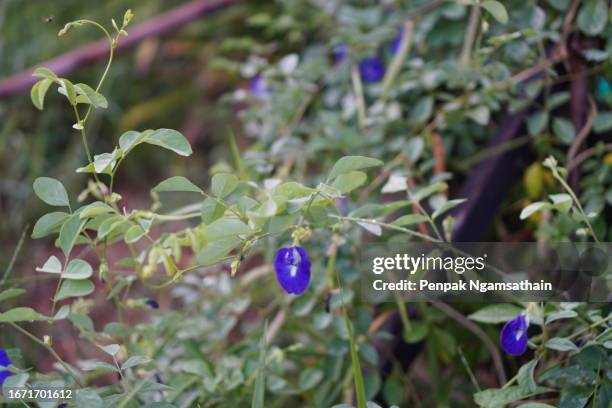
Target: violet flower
371	70
339	53
292	268
513	337
397	42
258	87
5	361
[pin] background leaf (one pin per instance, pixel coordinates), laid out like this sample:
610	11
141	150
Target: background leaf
51	191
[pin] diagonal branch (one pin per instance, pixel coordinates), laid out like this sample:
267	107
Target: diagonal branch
89	53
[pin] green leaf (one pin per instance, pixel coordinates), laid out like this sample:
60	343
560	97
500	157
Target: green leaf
263	212
82	321
21	314
51	191
497	10
211	210
74	288
496	313
177	183
223	184
602	122
501	397
350	163
349	181
564	130
537	122
557	99
95	208
215	251
427	191
449	205
561	202
372	228
77	269
129	140
88	95
111	349
109	225
282	223
103	163
134	361
227	227
62	313
259	390
561	314
43	72
89	365
48	223
592	17
560	5
52	265
536	405
396	182
69	233
310	378
169	139
68	90
560	344
533	208
134	234
417	331
39	91
480	115
11	293
422	110
525	376
409	219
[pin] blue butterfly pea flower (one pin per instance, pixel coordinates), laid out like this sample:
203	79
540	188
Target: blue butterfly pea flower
339	53
258	87
152	303
5	361
513	337
292	268
397	41
371	70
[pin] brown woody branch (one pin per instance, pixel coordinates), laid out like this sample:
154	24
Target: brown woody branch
89	53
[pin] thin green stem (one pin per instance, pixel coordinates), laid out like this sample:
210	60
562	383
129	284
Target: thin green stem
50	349
360	99
401	307
569	190
355	363
385	225
470	34
398	59
166	217
591	326
11	264
429	219
112	42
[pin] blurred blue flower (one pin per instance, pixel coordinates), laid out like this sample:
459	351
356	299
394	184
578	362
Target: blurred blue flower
371	69
292	268
258	87
339	53
152	303
5	361
397	41
513	337
603	87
